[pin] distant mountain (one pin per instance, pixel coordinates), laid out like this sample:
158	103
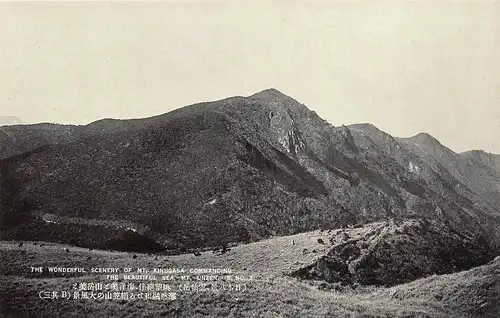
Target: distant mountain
235	170
9	120
477	170
18	139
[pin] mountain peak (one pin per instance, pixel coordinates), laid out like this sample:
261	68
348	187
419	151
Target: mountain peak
276	99
270	94
424	138
427	142
480	154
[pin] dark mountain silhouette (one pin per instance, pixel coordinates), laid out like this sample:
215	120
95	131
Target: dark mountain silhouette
235	170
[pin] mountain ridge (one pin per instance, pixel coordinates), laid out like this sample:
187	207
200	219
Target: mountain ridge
234	170
262	95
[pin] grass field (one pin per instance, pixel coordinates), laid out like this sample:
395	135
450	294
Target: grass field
271	293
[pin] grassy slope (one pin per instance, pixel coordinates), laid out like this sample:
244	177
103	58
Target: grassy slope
272	294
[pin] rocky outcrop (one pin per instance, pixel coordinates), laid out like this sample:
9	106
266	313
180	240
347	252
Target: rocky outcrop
391	253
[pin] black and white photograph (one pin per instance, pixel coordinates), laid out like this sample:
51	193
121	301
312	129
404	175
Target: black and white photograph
216	158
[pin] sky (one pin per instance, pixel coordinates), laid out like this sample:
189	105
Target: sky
406	67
